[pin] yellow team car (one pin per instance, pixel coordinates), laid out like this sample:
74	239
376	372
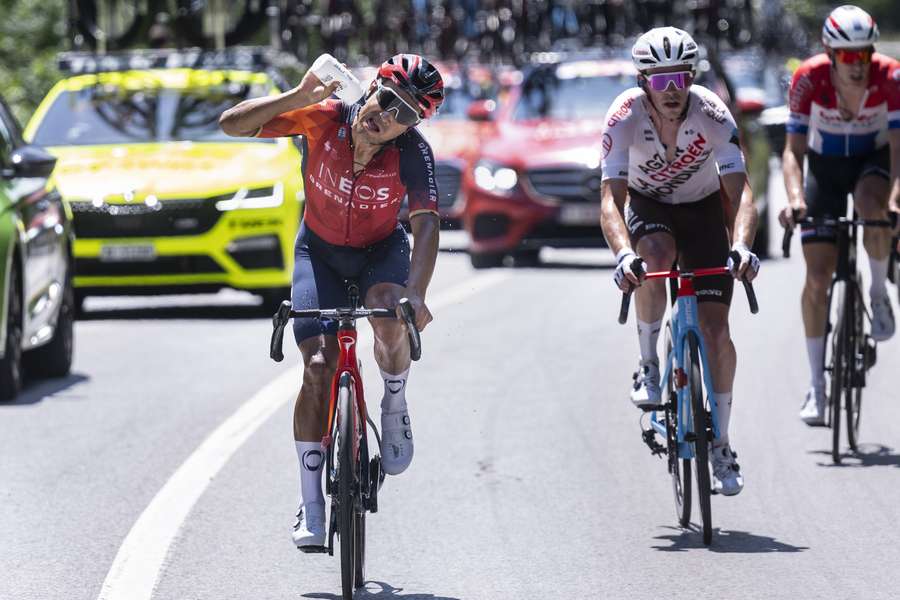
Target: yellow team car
163	201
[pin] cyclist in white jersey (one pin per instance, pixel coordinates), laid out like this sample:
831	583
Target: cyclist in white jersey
668	146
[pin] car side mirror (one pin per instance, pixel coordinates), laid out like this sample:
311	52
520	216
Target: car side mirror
481	110
30	161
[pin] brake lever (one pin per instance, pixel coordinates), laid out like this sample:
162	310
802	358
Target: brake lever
279	321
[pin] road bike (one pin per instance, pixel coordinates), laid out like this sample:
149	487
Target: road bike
687	419
352	476
851	351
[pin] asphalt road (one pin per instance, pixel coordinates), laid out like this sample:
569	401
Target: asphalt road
530	480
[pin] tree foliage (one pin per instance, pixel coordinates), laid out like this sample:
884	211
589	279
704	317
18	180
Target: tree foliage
32	32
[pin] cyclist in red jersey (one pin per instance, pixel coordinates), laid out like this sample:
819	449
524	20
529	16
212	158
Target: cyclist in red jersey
360	162
845	119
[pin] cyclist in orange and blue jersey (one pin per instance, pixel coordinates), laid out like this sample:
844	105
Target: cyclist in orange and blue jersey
360	162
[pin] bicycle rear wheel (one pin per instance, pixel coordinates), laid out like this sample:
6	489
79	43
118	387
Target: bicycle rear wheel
701	435
346	474
839	373
679	468
859	363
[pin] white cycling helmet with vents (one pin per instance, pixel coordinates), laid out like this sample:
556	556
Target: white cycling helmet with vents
849	27
665	47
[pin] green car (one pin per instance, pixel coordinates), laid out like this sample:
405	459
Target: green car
37	307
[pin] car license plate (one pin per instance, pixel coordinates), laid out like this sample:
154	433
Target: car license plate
131	253
580	214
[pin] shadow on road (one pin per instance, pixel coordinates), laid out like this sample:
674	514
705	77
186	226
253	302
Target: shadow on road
210	312
869	455
39	389
724	541
379	590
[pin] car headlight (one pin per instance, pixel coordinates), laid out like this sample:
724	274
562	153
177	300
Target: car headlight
495	178
267	197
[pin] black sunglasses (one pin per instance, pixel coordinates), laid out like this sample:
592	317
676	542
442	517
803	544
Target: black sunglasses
391	102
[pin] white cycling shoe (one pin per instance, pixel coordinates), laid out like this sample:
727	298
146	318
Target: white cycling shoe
396	441
309	530
813	411
645	390
883	324
727	478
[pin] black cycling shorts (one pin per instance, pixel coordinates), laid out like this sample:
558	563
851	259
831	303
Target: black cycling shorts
828	181
320	270
701	238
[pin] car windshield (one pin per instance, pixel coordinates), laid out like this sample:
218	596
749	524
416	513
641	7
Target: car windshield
545	95
112	114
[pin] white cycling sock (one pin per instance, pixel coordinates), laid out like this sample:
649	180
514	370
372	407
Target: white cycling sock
312	458
723	415
879	277
815	351
648	334
394	398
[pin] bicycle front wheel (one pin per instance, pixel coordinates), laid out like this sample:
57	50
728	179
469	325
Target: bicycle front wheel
701	432
679	468
859	363
346	458
839	373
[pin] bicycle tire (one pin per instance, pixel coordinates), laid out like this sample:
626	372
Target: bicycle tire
359	531
853	388
345	476
838	375
701	428
679	468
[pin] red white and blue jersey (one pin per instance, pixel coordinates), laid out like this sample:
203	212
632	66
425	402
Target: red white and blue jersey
357	210
814	108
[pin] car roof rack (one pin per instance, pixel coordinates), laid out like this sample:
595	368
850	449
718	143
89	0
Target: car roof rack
237	58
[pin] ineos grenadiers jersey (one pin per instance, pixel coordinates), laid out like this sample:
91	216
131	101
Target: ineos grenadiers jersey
356	210
814	110
707	139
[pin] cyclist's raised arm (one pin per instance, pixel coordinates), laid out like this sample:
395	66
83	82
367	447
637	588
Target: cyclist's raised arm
248	118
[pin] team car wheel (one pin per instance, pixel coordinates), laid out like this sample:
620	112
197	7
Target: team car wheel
11	363
486	260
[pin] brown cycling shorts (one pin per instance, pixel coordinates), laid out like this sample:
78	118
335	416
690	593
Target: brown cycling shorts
701	237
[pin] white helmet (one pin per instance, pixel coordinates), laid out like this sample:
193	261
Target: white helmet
664	47
849	27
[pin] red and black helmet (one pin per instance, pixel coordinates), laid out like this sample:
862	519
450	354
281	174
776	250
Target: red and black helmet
418	77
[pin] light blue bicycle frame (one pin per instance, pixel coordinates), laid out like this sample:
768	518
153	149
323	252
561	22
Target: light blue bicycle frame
684	321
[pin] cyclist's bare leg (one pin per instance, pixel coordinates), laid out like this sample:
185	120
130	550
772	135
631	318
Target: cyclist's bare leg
821	260
658	251
391	347
320	356
871	200
722	357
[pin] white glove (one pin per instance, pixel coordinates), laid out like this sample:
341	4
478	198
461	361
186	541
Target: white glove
749	262
625	258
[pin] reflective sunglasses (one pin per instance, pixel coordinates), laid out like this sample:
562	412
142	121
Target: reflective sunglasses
659	82
392	103
851	57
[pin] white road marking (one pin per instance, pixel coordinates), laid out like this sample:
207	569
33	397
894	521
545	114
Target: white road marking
139	561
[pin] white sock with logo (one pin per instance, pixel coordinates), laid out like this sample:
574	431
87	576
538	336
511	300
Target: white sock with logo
648	335
879	269
723	415
815	351
311	458
394	398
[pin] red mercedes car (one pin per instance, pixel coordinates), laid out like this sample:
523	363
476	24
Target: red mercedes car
536	183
